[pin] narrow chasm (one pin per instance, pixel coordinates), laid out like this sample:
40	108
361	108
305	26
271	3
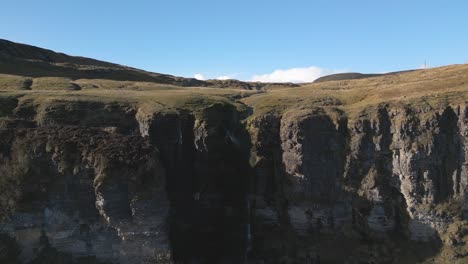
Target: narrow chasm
207	168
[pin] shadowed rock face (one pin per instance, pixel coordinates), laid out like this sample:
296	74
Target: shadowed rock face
388	186
393	174
74	190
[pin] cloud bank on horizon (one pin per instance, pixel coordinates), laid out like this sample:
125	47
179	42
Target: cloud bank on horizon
294	75
202	77
199	76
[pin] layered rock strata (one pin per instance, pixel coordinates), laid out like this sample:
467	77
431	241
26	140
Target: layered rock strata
84	181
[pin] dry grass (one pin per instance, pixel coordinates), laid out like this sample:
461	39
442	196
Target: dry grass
433	86
121	85
53	83
422	88
14	82
158	98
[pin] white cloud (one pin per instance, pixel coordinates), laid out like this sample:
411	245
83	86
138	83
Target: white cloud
224	77
202	77
295	75
199	76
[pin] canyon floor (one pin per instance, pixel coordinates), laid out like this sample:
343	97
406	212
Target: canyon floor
102	163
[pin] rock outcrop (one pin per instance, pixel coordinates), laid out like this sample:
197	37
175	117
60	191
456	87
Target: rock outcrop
89	182
76	191
393	173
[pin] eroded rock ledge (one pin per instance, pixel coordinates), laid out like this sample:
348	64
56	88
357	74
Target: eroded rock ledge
119	185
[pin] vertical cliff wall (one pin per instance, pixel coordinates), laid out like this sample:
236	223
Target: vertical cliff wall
108	182
393	173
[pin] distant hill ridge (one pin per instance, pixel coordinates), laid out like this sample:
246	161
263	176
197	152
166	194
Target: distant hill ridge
26	60
353	76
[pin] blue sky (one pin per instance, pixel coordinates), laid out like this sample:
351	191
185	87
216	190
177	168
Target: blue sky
247	39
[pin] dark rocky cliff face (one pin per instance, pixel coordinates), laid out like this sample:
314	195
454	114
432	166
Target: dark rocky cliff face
84	182
73	190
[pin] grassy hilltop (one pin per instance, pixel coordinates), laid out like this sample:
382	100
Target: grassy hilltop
33	73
